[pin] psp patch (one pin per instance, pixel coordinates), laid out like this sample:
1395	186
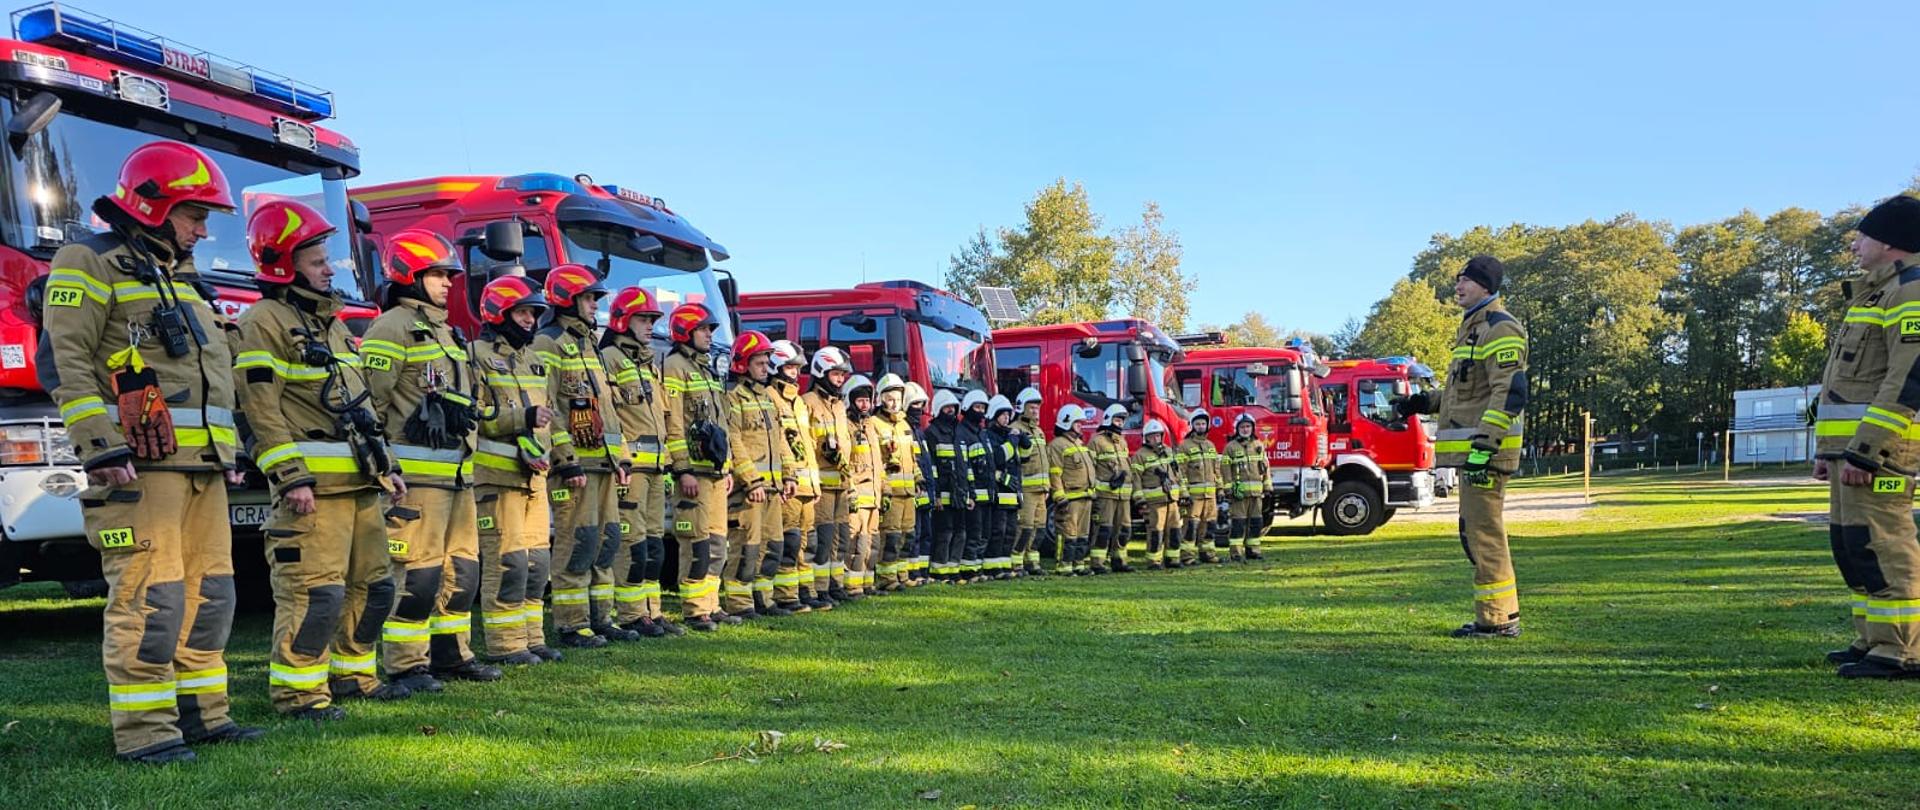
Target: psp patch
683	525
1889	483
1507	358
379	362
1910	330
559	495
485	523
116	539
396	547
63	297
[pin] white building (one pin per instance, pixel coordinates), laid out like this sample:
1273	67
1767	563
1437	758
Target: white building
1772	424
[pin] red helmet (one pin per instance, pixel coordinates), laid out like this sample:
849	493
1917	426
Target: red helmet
566	283
688	318
163	174
413	251
749	344
275	231
628	303
506	294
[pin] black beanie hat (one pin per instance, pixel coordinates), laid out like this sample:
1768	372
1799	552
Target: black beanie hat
1896	222
1486	271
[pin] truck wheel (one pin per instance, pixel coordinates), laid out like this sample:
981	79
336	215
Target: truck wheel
1387	514
1353	507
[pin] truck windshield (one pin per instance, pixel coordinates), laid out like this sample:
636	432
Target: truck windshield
955	360
48	188
609	252
1236	387
1160	376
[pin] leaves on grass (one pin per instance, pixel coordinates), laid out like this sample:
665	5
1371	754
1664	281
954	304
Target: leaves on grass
9	727
429	730
928	795
769	743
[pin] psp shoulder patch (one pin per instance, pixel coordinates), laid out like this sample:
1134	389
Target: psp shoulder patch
1910	330
379	362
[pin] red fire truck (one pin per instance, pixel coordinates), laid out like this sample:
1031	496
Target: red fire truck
1277	387
923	334
1381	460
78	92
1097	364
542	220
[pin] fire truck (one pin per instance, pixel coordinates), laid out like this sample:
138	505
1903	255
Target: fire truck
539	221
78	92
1097	364
923	334
1382	461
1278	388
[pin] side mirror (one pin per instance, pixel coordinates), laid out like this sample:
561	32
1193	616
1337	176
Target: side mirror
896	338
1296	391
730	291
503	242
362	218
366	260
1402	389
1137	383
1137	353
31	117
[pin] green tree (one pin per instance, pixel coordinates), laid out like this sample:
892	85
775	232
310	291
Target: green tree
978	263
1252	330
1798	353
1410	321
1059	264
1148	278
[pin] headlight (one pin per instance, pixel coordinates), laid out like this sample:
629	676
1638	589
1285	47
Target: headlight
36	444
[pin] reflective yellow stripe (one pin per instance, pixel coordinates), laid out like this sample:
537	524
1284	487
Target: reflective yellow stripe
1488	349
352	664
278	454
1509	442
1493	590
297	677
1883	316
1849	427
201	681
141	697
1893	611
397	631
83	408
1497	418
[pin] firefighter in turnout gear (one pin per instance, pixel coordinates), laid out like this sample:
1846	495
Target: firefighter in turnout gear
1030	450
1868	448
1480	432
424	390
973	441
590	462
144	380
1200	468
827	411
696	440
510	464
1071	482
311	432
1160	492
1113	498
626	348
952	488
866	485
1247	481
919	569
763	470
793	585
1003	519
903	484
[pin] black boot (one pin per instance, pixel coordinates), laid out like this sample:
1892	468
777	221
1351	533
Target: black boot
231	733
344	690
179	752
417	680
519	659
1476	630
318	714
468	670
766	606
702	622
1876	668
613	632
1850	655
550	654
582	638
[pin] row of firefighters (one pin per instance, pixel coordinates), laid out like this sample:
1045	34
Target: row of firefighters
420	480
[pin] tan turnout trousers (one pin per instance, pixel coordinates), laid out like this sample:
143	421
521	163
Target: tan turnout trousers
1483	534
323	566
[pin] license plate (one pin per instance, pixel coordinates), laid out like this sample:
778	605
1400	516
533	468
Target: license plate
249	515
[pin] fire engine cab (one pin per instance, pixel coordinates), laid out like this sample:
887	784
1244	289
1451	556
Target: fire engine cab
1278	388
1097	364
923	334
1381	460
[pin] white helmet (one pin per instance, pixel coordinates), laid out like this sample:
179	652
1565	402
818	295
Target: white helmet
1200	413
974	397
1070	415
891	382
786	354
1116	409
944	399
1244	419
854	383
915	394
997	404
1028	394
1154	426
830	359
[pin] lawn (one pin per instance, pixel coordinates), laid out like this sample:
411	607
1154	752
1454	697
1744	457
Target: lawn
1671	658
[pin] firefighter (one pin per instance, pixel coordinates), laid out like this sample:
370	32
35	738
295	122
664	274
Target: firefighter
1070	482
144	380
952	487
424	389
762	469
298	380
1157	488
626	347
1868	448
696	441
1113	498
1247	482
903	482
973	441
1030	448
827	410
590	462
510	464
1003	518
793	586
922	562
866	485
1480	432
1200	469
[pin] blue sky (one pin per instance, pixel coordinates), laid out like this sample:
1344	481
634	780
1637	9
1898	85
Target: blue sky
1303	152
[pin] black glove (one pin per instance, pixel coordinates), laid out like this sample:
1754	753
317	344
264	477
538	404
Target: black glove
1416	404
1118	480
1022	441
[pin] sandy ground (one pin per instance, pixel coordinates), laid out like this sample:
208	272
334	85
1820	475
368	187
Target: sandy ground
1521	506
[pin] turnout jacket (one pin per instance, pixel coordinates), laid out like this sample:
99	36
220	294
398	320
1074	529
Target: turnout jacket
293	436
1871	385
1486	392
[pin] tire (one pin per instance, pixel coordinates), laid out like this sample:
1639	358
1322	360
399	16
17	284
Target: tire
1352	508
1387	514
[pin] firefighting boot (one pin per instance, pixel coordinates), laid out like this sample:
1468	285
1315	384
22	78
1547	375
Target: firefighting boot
417	680
766	607
646	627
230	733
669	627
582	638
344	690
613	632
723	617
469	670
1850	655
1252	539
165	756
814	600
546	653
523	658
1877	668
1474	630
318	714
703	623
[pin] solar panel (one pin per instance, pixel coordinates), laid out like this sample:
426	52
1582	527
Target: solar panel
1000	304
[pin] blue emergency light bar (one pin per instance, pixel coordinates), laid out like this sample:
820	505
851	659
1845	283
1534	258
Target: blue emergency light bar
125	44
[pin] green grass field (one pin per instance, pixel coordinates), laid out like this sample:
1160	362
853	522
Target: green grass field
1671	658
